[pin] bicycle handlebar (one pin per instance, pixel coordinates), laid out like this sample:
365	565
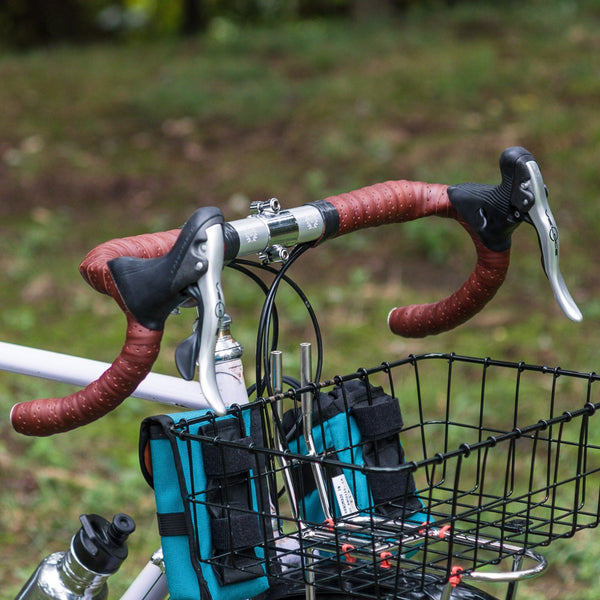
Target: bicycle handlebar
148	274
139	352
401	201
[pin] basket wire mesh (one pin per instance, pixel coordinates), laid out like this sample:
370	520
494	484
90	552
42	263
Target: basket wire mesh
505	458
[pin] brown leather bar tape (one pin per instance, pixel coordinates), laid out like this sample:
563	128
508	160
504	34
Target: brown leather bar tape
401	201
421	320
47	416
390	202
43	417
94	267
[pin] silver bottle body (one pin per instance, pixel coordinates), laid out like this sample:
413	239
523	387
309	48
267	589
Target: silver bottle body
60	576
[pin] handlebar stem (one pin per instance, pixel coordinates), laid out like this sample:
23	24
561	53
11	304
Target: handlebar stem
266	229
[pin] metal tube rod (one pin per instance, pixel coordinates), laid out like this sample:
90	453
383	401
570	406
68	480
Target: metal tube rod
277	381
307	409
511	589
277	378
307	406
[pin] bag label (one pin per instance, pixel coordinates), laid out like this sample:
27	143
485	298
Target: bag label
344	496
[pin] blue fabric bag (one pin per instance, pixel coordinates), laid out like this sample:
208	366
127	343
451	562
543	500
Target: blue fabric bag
213	546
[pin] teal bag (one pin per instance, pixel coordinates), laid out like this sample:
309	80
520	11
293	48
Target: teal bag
359	425
208	503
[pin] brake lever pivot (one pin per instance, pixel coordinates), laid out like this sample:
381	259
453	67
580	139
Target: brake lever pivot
493	212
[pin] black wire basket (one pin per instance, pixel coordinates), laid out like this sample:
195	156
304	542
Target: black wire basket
470	467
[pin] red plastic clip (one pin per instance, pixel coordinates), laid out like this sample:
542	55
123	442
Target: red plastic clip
456	575
346	549
385	563
329	524
424	527
443	531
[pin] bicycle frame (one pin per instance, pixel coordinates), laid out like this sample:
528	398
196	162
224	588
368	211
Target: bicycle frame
151	583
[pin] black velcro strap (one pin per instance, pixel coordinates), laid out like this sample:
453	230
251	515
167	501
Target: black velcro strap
391	486
378	420
171	524
235	532
224	461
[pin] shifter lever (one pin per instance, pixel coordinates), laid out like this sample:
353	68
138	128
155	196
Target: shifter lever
152	288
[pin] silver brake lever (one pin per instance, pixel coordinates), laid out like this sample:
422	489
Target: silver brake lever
212	309
541	218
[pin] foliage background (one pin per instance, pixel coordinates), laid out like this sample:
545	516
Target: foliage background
104	136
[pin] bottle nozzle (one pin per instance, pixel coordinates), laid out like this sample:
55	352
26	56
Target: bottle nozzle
100	545
120	529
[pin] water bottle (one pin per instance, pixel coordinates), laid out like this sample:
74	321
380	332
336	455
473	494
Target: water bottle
228	365
97	551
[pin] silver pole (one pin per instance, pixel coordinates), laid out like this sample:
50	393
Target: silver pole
151	583
307	409
277	381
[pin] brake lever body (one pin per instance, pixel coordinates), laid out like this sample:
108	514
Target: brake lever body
540	216
199	348
494	212
210	315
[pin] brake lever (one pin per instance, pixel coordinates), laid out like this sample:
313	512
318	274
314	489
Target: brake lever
200	346
186	353
210	315
494	212
540	216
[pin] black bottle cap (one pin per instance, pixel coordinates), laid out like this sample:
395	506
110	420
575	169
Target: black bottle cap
99	545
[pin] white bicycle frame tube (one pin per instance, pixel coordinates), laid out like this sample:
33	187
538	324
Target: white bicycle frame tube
74	370
150	584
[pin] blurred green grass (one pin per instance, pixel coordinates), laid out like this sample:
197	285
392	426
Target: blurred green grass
112	140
